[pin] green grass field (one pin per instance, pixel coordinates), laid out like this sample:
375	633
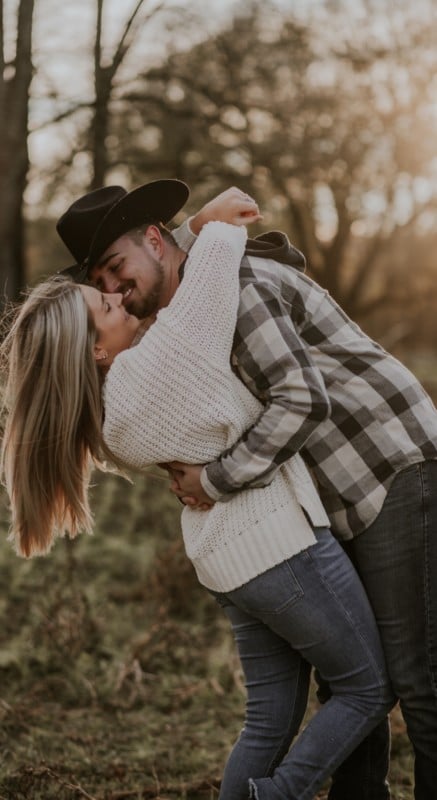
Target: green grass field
119	677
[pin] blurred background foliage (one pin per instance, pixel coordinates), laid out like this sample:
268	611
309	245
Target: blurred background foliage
326	112
119	678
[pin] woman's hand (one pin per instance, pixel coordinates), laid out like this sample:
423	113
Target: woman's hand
232	206
187	486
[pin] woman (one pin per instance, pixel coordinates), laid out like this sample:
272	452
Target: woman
267	555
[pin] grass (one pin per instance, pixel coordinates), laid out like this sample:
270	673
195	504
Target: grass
119	677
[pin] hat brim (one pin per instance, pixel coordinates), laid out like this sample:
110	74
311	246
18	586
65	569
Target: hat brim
78	272
158	201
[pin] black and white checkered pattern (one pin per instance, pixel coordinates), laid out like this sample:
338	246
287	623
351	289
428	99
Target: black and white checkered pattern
355	413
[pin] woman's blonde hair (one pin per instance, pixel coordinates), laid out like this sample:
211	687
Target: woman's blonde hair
53	416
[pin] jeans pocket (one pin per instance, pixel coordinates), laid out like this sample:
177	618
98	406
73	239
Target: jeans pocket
269	593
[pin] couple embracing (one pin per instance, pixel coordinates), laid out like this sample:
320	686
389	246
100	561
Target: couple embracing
305	456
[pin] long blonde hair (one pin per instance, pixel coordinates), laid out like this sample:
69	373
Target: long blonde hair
53	416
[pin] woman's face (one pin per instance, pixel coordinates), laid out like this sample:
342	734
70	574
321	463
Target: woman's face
116	329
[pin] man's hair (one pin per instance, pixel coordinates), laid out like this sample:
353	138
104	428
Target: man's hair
53	411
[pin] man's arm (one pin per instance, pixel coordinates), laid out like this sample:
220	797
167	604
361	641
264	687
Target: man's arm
277	366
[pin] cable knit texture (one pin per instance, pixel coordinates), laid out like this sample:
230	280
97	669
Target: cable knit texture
174	396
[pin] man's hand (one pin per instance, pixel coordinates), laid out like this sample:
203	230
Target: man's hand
186	484
232	205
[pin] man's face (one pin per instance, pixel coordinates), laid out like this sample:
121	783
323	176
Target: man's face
133	270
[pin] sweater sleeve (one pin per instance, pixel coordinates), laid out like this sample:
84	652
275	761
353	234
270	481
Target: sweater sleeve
148	386
204	309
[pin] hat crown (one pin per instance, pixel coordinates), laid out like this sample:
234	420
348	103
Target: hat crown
79	223
102	198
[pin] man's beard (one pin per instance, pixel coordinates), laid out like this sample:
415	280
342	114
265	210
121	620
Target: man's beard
145	306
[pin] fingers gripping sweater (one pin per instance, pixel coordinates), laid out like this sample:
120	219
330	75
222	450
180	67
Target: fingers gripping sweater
174	396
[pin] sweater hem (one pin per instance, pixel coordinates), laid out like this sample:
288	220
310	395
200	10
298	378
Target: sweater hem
265	545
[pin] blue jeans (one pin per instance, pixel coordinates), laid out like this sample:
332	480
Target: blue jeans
396	558
309	610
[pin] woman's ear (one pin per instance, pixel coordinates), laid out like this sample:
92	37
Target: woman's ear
99	353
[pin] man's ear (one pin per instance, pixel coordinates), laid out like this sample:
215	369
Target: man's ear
100	354
153	238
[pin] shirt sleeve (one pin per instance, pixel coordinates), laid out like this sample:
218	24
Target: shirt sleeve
204	308
276	365
184	236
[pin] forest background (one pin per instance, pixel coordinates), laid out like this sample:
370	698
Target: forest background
118	675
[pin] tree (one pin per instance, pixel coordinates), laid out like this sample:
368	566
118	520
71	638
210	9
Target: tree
104	77
15	80
318	116
86	120
320	121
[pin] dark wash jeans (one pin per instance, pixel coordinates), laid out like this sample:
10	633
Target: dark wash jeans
396	558
309	610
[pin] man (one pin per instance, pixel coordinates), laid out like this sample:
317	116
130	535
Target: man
361	420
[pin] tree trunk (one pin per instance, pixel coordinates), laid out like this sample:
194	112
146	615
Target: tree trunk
104	76
15	79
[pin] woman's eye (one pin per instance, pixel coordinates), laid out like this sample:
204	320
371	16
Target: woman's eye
114	267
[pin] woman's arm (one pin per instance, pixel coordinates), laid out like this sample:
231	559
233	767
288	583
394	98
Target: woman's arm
203	311
184	354
232	206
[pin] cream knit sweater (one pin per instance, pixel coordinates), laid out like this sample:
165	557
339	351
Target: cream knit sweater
174	396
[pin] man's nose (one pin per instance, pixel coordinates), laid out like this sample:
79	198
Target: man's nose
110	284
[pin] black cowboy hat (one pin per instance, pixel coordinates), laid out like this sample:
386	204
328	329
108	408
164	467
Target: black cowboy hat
98	218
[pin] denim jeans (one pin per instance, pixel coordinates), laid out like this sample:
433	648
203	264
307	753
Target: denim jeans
396	558
309	610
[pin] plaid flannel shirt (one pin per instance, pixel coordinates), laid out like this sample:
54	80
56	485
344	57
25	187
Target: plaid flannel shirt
354	412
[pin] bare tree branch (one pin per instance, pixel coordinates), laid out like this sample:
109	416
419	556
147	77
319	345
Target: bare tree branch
62	115
128	34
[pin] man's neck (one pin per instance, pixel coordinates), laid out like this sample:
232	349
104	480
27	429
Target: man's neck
174	258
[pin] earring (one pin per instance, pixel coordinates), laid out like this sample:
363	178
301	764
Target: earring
102	356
